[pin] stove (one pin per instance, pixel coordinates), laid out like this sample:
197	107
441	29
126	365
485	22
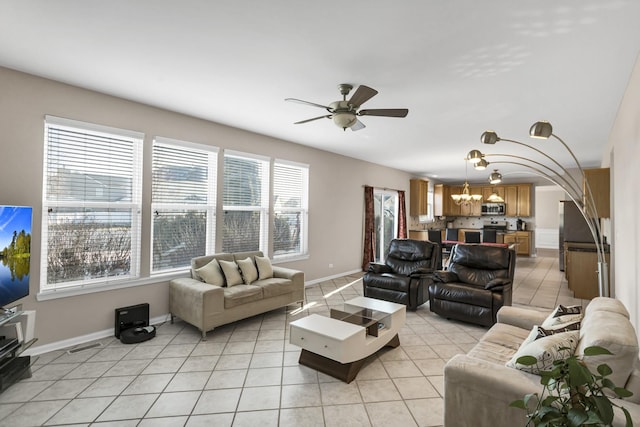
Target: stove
495	225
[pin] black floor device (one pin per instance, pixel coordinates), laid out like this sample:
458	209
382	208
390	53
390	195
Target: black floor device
132	324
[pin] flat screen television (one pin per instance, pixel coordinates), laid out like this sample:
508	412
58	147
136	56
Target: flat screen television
15	253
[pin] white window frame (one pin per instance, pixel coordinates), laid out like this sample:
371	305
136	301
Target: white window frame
264	207
134	206
303	209
209	207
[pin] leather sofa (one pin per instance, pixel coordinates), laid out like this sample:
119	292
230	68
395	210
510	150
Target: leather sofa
478	386
206	305
405	274
478	281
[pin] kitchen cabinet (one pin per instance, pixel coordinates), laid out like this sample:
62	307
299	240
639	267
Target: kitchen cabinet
438	200
419	194
450	208
418	234
487	191
599	182
521	240
581	269
517	199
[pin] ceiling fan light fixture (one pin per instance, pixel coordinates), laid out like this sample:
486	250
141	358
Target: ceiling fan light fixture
344	119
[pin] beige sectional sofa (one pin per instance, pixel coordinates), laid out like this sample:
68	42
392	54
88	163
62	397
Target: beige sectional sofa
479	386
207	305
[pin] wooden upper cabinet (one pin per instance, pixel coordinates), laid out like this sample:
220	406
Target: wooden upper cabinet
511	200
449	206
488	190
599	182
419	204
438	200
524	200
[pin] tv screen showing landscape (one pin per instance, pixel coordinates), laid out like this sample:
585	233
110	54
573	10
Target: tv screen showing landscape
15	253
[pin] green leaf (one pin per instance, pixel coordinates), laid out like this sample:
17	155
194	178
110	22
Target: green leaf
579	375
622	392
576	417
596	351
604	408
629	422
518	404
604	370
527	360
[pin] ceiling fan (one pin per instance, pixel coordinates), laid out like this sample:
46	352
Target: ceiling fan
345	113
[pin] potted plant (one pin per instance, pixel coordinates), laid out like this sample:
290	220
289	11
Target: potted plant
572	395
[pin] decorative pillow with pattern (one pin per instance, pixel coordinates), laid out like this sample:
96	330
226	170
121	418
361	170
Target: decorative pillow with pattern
211	273
545	332
545	350
248	269
231	272
562	315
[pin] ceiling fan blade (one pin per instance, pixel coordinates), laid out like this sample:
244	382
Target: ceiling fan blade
385	112
328	116
313	104
357	125
362	95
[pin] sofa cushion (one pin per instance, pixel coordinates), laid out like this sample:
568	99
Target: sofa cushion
612	330
274	286
462	293
607	304
545	332
265	270
231	272
211	273
248	270
546	350
241	294
553	321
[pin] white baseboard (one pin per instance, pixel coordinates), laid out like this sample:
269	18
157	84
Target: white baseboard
73	342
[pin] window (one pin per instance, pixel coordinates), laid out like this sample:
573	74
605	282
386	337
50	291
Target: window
385	206
182	203
290	208
91	204
245	202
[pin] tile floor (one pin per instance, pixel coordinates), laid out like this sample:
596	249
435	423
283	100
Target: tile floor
247	373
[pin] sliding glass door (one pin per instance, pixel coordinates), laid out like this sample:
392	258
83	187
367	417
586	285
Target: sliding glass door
385	205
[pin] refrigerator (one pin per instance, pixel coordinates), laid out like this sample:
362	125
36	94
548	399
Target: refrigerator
573	227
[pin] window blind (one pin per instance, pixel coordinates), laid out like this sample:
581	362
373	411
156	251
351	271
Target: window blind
91	204
245	202
183	202
290	205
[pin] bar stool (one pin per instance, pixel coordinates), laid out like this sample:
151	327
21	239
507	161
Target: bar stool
472	237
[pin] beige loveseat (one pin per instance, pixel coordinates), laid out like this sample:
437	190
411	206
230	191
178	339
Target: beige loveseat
479	387
207	305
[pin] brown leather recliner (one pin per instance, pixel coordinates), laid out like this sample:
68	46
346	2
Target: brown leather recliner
479	281
406	273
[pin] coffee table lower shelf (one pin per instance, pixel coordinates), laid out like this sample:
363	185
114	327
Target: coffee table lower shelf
342	371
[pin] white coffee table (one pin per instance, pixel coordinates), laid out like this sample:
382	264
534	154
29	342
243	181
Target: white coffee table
338	345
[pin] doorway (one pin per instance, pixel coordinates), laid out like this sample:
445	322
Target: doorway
385	206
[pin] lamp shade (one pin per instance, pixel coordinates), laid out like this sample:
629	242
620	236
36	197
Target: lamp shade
495	177
541	130
481	165
474	156
344	120
489	137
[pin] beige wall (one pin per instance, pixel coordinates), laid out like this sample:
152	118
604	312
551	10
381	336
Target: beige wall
622	156
335	203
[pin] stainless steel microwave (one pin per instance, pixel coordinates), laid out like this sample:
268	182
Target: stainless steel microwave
493	209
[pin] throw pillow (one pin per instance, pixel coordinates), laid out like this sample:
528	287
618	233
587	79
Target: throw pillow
248	269
231	272
545	332
211	273
265	271
562	315
545	350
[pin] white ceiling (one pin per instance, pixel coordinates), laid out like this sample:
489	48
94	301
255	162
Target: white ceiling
459	66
